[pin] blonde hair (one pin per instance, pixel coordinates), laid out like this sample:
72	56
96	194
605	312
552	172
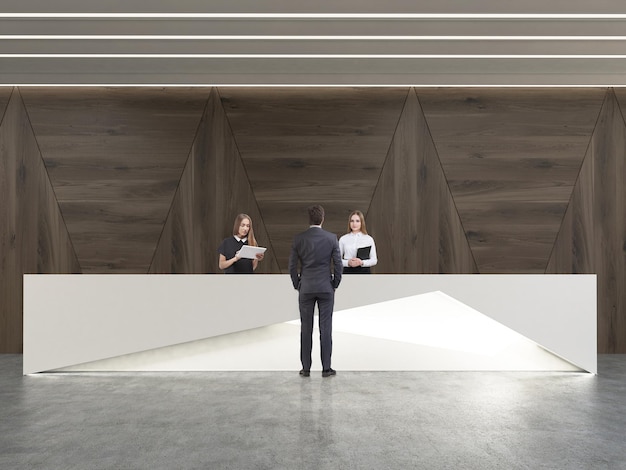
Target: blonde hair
362	217
238	219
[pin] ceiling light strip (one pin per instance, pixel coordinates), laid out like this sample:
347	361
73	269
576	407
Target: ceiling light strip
310	85
80	37
577	16
316	56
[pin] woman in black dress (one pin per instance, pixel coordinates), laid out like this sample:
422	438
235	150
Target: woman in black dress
243	234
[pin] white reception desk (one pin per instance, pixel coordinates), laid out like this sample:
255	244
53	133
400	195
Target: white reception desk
78	319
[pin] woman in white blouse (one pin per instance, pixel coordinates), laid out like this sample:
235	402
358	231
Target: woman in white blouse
358	250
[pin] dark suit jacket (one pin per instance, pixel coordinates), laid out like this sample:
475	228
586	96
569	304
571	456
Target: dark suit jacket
314	250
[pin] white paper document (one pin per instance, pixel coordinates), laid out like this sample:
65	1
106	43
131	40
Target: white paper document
250	252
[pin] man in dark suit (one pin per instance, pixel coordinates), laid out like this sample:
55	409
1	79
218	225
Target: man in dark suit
314	250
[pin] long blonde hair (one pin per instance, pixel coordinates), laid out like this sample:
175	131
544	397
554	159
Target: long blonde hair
238	219
361	216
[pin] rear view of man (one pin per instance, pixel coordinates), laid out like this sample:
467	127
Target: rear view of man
312	253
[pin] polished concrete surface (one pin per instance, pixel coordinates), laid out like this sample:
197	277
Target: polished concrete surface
277	420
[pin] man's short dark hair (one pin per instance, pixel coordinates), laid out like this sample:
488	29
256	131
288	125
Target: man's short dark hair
316	214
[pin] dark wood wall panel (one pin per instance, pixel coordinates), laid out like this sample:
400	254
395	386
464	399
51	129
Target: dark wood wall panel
33	236
233	192
5	94
182	226
574	249
609	146
208	143
618	325
222	190
115	157
593	234
174	252
302	146
511	157
150	180
412	215
162	260
10	265
455	254
213	190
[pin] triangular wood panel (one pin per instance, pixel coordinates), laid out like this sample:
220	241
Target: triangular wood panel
412	215
609	210
5	94
511	157
115	157
33	236
213	190
573	251
222	190
620	96
174	252
302	146
11	269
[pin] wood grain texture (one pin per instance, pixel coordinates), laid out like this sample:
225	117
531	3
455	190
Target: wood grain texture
33	236
55	249
618	326
174	252
609	144
604	206
213	190
592	236
302	146
162	258
206	146
5	94
182	224
533	180
412	216
511	157
115	157
573	251
10	266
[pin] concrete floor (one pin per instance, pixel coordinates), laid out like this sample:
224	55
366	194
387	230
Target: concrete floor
277	420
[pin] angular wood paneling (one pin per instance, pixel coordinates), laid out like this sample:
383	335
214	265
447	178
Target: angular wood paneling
573	250
302	146
412	216
10	265
209	143
5	94
213	190
592	238
182	224
232	194
115	157
609	148
174	252
162	260
33	236
511	157
435	170
618	325
221	191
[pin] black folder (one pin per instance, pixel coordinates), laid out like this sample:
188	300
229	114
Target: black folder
364	253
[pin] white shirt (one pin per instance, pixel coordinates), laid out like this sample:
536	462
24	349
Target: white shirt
351	242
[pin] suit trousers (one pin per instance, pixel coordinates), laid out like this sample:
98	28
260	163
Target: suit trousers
325	302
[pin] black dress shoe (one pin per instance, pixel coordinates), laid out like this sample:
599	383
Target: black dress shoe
328	372
304	373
